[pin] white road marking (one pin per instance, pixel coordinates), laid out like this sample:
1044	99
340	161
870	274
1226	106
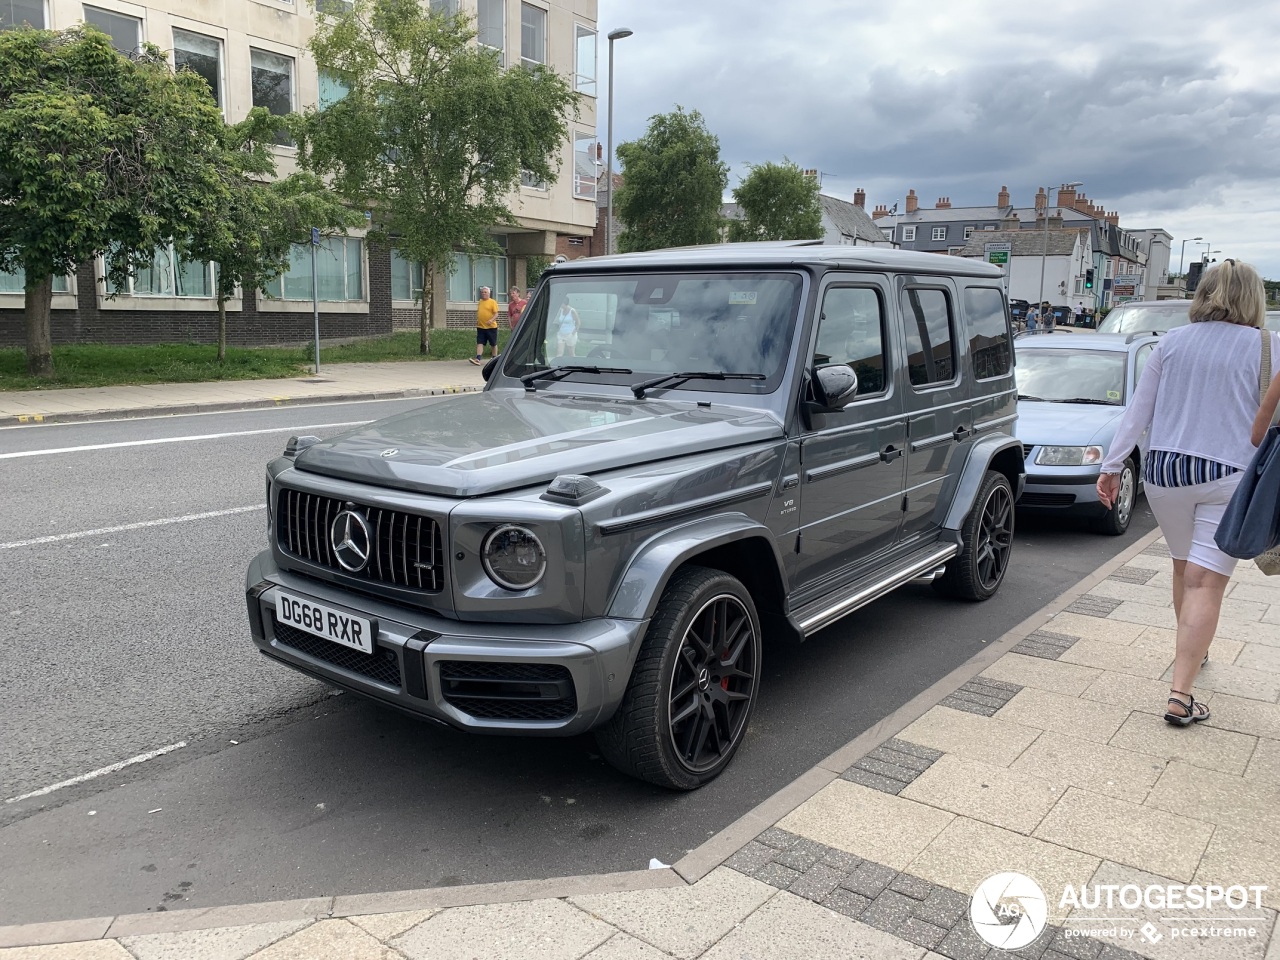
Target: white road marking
156	440
101	771
59	537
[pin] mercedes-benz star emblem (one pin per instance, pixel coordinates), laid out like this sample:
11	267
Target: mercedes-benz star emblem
391	452
351	540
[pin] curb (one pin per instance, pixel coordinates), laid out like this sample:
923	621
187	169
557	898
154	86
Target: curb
216	406
688	870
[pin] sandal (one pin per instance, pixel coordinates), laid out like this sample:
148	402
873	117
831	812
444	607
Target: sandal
476	361
1195	710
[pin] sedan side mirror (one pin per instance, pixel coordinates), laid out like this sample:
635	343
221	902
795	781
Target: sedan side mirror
834	385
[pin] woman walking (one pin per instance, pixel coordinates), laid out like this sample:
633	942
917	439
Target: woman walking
1199	396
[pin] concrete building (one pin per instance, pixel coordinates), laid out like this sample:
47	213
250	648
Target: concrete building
253	53
1041	264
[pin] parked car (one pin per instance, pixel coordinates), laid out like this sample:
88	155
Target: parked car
1072	392
1146	316
729	445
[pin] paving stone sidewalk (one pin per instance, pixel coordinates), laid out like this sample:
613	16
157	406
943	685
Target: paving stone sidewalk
336	382
1050	758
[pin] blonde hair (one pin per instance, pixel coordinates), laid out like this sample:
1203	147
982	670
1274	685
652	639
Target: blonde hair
1233	293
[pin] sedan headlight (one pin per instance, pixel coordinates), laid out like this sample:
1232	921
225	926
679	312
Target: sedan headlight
513	557
1069	456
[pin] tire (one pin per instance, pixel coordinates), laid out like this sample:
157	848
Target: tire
675	671
1118	518
987	542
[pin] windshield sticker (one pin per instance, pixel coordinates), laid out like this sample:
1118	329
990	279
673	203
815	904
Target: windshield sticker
742	296
1113	394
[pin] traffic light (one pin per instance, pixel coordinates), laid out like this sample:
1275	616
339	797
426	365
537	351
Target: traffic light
1088	279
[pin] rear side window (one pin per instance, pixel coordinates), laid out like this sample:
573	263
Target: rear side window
988	332
926	315
852	331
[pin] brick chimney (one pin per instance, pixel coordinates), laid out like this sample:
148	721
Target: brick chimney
1113	218
1082	203
944	203
1042	200
913	202
1002	200
1067	197
860	198
880	211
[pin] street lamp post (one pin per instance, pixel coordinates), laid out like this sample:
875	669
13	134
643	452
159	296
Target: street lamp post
1044	250
1182	257
620	34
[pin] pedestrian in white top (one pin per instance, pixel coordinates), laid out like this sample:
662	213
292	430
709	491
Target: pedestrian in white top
1198	395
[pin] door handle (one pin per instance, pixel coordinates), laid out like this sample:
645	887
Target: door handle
890	453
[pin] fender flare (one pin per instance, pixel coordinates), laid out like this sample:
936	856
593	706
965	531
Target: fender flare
985	452
641	585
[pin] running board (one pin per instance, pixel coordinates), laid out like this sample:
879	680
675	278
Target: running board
812	617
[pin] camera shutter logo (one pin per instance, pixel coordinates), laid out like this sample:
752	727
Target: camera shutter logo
1008	910
351	540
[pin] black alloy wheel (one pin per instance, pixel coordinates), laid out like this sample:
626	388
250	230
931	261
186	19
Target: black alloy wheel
987	543
694	684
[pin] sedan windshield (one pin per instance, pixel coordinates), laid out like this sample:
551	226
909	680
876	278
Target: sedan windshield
1147	317
1065	376
633	328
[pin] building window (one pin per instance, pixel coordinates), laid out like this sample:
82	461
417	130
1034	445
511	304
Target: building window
16	282
939	233
888	233
448	7
968	232
271	77
406	278
332	89
468	274
533	34
166	276
584	69
339	271
575	241
908	234
14	13
584	166
491	26
532	181
202	56
927	319
125	31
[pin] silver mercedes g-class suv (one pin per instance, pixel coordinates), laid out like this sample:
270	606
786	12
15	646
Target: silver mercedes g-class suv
681	455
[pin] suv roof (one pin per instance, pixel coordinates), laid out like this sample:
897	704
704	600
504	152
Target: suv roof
783	253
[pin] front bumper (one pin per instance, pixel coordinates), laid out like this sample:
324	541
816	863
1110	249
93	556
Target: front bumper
1062	490
533	679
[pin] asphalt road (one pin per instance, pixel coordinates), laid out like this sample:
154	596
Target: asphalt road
132	639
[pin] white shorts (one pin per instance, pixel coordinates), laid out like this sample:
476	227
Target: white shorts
1189	517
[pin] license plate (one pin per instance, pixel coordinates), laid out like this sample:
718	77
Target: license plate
322	621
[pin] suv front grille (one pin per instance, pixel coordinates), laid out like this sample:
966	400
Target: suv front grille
509	691
381	665
405	549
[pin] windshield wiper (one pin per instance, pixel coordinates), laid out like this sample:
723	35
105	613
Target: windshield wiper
1094	400
677	378
553	374
1027	396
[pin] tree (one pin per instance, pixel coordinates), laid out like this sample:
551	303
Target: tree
672	184
433	134
778	202
251	236
99	152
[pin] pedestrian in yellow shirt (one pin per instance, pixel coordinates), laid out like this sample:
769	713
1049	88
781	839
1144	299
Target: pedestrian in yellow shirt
486	324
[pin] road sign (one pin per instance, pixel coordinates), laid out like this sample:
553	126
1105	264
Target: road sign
998	253
1126	285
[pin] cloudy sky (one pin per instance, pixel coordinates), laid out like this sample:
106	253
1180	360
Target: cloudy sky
1169	112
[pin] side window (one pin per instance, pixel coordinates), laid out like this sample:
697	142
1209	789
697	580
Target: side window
1140	362
926	317
851	330
988	332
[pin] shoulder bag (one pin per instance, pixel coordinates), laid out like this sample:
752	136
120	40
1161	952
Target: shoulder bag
1250	528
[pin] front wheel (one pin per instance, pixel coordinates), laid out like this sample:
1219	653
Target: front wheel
1117	519
987	543
694	684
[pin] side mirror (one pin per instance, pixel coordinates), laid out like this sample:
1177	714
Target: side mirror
487	370
834	385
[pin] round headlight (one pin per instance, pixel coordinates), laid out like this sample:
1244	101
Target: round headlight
513	557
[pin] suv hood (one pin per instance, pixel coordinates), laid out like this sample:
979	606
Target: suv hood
481	443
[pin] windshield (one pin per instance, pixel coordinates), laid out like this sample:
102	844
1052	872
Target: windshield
1147	317
1064	375
645	325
